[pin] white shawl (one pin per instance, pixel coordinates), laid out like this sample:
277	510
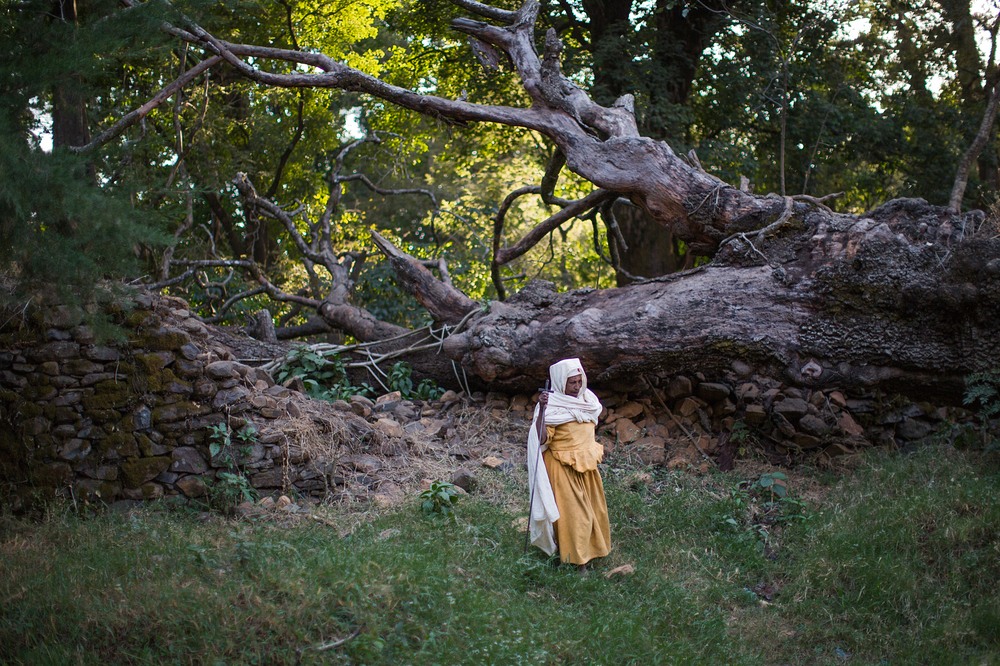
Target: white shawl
562	408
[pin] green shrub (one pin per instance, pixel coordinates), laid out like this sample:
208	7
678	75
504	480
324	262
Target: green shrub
439	499
228	491
982	392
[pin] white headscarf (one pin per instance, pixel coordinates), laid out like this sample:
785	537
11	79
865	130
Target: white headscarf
562	408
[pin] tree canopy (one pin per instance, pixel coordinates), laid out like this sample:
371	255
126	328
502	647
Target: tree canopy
241	153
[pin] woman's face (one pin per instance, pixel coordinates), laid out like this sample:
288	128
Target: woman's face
573	385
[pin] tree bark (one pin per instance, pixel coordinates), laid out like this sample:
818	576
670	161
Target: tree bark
900	299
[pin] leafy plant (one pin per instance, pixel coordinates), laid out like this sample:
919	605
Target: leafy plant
230	487
324	377
439	499
982	389
316	371
743	437
428	390
400	379
229	490
222	448
775	483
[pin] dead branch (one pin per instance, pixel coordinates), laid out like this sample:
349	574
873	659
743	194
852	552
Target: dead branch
135	116
592	200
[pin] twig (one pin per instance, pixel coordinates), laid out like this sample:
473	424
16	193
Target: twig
818	201
786	214
340	641
325	521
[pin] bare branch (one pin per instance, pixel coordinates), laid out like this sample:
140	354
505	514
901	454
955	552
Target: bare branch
551	177
135	116
530	239
600	144
818	201
608	213
163	284
314	326
364	180
498	224
488	11
231	301
215	263
444	302
267	206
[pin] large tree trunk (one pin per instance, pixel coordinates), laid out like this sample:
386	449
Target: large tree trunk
683	32
906	298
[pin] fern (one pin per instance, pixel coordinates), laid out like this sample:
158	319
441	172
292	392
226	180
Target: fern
982	390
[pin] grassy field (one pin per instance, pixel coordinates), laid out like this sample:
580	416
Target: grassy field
893	562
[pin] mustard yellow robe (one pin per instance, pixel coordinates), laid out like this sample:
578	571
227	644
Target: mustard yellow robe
583	530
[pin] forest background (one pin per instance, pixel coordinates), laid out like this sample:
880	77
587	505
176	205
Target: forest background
873	100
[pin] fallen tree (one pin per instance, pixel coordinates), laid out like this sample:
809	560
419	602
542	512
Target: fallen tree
906	297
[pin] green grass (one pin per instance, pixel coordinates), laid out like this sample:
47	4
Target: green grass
896	564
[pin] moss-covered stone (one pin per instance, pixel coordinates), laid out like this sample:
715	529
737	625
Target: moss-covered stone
178	411
138	318
138	471
65	415
106	401
30	410
54	475
103	415
38	389
79	367
162	339
111	387
192	486
118	445
108	394
151	362
94	490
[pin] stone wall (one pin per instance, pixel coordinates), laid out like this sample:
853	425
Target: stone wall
134	419
694	420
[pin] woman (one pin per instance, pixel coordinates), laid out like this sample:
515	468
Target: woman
568	511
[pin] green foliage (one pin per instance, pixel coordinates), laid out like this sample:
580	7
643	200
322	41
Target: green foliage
439	500
774	483
65	227
229	490
222	448
744	438
400	378
982	391
324	377
760	507
858	113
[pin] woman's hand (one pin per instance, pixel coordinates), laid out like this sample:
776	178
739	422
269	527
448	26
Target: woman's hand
543	399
